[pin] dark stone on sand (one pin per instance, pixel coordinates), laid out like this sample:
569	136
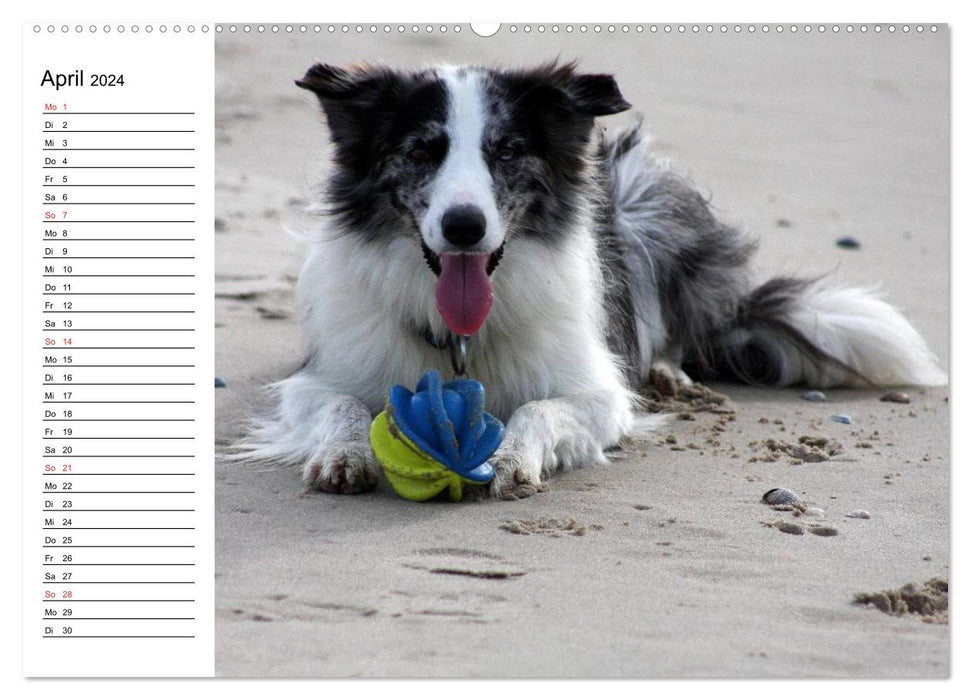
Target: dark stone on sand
824	531
790	528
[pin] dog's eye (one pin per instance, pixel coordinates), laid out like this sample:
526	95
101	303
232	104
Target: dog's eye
506	153
420	154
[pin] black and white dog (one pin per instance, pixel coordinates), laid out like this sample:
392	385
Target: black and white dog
466	201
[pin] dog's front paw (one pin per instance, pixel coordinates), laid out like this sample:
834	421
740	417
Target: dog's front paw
667	379
515	476
343	468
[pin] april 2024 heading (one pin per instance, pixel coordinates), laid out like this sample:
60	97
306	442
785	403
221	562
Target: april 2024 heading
76	79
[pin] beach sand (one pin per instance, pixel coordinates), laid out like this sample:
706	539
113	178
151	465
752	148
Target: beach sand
664	563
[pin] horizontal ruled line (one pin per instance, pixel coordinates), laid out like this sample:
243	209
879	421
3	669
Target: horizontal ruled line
121	221
73	564
119	636
119	438
76	583
72	491
126	311
118	131
119	510
110	456
73	275
117	149
119	600
165	184
119	167
72	239
107	204
74	474
116	420
121	294
125	113
78	401
121	347
119	546
118	384
117	257
74	617
72	366
118	330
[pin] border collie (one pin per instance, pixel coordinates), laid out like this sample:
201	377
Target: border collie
483	203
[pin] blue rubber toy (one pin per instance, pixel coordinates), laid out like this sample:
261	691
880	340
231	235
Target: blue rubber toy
436	437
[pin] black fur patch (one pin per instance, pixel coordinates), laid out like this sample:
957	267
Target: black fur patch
545	116
378	119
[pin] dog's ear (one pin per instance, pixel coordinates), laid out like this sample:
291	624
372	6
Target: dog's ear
329	82
347	94
586	94
596	95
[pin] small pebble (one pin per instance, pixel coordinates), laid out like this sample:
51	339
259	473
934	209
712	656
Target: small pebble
895	397
824	531
848	242
842	418
862	514
790	528
814	396
779	496
814	513
220	383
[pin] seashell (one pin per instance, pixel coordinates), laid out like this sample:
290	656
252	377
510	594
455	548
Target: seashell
862	514
842	418
814	513
780	496
814	396
220	383
895	397
848	242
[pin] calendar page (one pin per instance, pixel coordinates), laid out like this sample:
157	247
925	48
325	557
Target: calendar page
520	350
118	349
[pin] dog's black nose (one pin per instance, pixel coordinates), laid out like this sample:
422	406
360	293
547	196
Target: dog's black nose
463	225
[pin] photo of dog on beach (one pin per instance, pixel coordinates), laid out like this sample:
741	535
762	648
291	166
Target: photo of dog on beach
703	279
487	204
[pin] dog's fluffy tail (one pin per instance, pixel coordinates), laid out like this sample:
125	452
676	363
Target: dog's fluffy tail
790	331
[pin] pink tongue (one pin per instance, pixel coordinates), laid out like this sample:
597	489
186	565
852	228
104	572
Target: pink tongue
464	293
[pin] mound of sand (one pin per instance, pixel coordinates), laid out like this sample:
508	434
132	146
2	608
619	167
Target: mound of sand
928	601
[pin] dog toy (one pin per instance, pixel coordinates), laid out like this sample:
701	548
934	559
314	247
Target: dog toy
435	438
